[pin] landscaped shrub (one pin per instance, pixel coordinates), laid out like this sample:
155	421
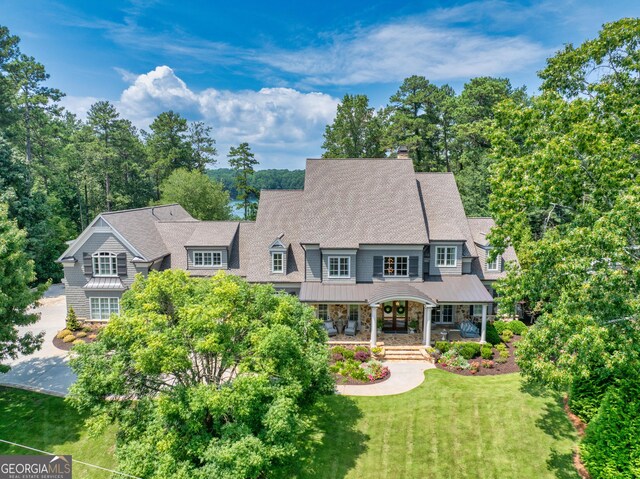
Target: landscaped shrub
63	333
500	326
81	334
72	320
504	356
585	394
78	341
452	359
374	370
345	352
610	447
361	348
501	347
474	366
377	351
351	368
69	338
487	363
337	357
468	350
443	346
486	352
362	356
507	335
492	335
517	327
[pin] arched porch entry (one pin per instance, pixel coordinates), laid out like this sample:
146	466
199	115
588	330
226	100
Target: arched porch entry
394	295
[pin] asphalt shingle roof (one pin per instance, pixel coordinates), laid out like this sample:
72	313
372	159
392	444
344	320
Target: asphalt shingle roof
446	219
480	228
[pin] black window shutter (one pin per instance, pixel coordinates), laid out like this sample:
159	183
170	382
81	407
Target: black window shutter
88	264
413	266
377	266
122	264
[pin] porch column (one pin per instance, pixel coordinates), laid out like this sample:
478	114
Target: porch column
483	331
426	330
374	325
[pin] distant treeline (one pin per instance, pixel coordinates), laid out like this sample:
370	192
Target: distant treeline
262	179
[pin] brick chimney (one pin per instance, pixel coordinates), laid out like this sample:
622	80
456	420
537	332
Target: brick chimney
403	153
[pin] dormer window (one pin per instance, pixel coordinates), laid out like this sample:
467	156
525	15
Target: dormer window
339	266
493	265
105	264
207	259
446	256
277	262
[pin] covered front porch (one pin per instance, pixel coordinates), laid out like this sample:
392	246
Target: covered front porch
403	313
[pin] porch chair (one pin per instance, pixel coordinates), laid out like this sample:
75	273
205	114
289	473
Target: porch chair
331	328
469	330
352	326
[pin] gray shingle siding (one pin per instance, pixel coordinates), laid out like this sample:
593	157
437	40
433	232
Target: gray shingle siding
438	271
75	278
364	264
313	265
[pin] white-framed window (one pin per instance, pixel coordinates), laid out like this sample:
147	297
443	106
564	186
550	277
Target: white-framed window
444	314
339	266
476	310
105	264
493	265
354	312
446	256
323	312
204	259
396	266
103	308
277	262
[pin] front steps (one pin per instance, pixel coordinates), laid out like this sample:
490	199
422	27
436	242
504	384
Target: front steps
406	353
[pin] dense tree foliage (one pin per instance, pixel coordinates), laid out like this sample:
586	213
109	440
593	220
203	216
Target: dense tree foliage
566	193
202	197
356	132
16	295
214	377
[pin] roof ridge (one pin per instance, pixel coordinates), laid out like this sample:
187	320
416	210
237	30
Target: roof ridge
480	218
138	209
434	173
354	159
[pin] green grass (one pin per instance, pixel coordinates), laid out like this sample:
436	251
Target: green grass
47	423
450	427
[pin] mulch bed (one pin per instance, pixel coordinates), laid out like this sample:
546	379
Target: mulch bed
498	368
354	382
580	427
87	328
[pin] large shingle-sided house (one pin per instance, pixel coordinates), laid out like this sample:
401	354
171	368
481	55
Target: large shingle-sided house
366	239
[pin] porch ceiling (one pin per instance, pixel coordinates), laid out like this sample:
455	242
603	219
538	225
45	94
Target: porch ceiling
441	289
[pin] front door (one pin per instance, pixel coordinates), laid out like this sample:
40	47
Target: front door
395	316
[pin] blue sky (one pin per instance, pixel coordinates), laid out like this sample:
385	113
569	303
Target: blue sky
271	73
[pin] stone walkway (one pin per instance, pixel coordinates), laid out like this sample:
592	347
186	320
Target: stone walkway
405	376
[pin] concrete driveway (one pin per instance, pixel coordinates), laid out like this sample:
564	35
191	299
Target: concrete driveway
46	370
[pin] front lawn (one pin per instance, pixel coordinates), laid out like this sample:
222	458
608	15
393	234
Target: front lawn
450	427
47	423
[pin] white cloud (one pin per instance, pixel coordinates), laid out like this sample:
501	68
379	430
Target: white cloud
391	52
282	125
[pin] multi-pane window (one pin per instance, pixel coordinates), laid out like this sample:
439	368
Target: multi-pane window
396	265
443	314
446	256
476	310
323	312
493	265
105	264
205	259
103	308
354	312
339	266
277	264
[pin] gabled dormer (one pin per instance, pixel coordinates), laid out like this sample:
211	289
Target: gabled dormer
278	251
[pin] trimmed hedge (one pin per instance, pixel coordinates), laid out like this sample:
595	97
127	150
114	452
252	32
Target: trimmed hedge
611	446
468	350
486	352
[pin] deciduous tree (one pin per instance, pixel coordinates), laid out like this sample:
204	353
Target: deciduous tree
214	377
202	197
